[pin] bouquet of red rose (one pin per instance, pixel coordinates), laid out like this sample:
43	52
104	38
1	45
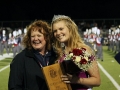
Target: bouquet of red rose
78	59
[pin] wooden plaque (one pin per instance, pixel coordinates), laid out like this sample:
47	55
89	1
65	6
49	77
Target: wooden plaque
52	75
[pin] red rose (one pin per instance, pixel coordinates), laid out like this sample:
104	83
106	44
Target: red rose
77	52
83	61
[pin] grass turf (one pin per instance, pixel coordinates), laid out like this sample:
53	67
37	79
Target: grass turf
112	67
109	64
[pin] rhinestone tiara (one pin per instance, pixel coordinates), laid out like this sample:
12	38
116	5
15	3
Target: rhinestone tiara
55	17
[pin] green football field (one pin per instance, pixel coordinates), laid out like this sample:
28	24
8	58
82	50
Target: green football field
107	83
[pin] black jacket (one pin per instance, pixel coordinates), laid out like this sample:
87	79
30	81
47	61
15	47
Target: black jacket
26	73
117	57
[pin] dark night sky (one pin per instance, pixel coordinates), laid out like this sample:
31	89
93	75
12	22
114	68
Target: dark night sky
11	10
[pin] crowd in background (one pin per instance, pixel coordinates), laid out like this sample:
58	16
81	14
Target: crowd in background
94	35
10	41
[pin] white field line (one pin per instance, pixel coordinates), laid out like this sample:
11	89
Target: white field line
4	68
100	66
109	76
3	57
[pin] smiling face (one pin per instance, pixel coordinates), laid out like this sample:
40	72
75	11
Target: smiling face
38	41
61	32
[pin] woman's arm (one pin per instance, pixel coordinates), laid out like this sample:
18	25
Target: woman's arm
16	75
92	81
94	76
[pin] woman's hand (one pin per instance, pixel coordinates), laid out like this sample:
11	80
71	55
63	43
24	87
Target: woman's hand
70	78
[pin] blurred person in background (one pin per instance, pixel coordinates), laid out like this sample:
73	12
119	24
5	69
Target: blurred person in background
0	43
10	43
4	41
99	47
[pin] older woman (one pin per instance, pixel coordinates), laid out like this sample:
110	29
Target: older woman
25	69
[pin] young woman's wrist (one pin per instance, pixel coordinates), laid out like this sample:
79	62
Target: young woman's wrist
80	81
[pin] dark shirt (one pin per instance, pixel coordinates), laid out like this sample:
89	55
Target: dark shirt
42	59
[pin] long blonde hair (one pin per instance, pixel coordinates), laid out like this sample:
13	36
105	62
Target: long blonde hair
75	40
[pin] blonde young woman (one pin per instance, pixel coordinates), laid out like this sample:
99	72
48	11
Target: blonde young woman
65	31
